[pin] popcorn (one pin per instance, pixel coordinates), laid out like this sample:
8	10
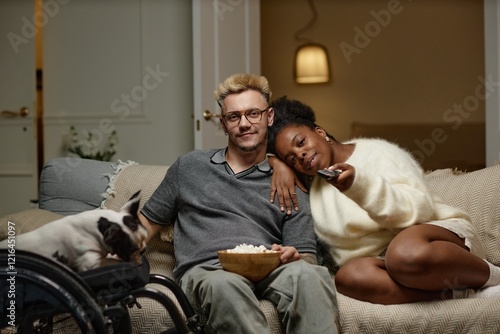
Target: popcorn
244	248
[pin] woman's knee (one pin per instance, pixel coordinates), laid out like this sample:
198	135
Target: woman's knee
414	250
356	274
404	259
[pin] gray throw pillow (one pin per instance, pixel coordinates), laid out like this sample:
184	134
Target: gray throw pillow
73	185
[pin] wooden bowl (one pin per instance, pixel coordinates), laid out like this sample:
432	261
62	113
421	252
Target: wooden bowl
254	266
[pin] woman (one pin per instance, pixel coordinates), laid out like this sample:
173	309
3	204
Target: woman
394	242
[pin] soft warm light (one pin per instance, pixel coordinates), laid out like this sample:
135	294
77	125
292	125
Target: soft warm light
311	64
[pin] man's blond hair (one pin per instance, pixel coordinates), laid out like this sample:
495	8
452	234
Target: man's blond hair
239	83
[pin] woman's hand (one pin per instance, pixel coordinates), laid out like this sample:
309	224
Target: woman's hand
283	184
288	253
345	180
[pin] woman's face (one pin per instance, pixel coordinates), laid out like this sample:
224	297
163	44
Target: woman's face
306	150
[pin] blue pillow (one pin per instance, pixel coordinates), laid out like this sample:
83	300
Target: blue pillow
72	185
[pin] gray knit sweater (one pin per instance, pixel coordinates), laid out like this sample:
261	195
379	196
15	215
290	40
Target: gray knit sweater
214	209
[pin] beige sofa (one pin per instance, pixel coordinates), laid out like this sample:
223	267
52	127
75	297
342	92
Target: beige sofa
476	192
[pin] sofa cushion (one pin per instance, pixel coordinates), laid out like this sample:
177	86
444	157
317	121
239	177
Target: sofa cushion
478	193
131	179
473	315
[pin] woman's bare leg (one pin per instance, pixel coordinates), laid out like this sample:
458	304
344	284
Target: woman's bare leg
367	279
430	257
423	262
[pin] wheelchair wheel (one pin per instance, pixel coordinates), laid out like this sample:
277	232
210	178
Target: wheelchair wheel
43	296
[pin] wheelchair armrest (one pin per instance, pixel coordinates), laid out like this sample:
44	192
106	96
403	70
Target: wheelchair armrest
116	278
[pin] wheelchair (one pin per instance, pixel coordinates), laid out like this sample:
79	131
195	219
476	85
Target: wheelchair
40	295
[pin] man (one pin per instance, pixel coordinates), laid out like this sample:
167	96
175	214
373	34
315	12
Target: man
219	199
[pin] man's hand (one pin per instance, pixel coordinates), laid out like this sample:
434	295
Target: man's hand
283	184
288	253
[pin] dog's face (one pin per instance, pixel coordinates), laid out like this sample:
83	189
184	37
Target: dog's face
122	231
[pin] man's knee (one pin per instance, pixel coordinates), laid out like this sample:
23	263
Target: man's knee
304	270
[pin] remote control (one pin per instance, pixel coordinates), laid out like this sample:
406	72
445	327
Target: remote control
329	174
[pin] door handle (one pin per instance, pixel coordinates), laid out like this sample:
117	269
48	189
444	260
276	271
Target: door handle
208	115
23	112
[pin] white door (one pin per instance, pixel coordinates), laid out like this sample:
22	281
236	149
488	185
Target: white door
120	65
226	40
18	166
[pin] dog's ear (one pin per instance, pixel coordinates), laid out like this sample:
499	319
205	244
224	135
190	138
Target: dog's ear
111	233
117	242
132	206
103	224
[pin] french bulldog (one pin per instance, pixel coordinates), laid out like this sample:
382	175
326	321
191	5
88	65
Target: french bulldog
83	240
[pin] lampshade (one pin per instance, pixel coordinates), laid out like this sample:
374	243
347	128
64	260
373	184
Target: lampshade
311	64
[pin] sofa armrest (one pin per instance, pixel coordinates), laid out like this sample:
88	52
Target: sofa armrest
145	178
478	194
26	221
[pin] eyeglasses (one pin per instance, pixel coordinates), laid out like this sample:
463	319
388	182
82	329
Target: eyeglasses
233	118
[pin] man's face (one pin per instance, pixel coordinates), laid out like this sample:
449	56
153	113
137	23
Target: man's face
247	132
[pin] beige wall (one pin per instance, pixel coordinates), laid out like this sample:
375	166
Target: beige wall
420	65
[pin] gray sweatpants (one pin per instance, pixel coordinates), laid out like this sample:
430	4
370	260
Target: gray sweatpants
304	295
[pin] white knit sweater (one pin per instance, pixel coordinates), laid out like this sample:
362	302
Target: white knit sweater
388	195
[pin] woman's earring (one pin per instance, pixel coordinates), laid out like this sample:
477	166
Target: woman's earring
327	139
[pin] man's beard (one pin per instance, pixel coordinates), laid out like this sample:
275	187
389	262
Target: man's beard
248	149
